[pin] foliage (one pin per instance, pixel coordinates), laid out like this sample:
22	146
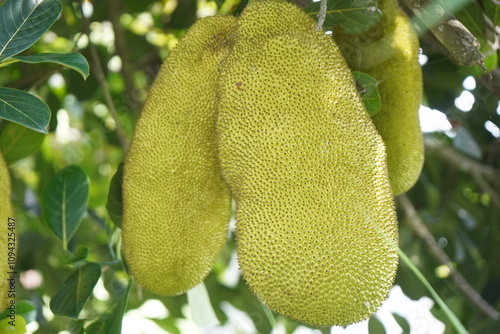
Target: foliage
68	131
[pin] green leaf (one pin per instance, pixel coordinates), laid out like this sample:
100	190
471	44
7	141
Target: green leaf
81	254
73	60
64	202
17	142
353	16
24	108
492	10
24	308
472	18
111	323
114	204
367	89
24	22
71	298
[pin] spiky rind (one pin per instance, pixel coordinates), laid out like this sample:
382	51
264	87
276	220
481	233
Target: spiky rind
176	205
316	227
389	52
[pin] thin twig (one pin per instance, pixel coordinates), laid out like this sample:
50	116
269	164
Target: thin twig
420	229
466	164
101	79
115	9
321	15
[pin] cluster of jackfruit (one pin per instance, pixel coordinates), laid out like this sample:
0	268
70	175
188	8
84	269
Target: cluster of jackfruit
5	213
263	109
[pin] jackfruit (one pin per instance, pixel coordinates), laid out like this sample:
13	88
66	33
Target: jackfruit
389	52
7	233
176	204
316	227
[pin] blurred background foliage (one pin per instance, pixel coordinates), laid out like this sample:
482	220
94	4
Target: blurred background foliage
457	196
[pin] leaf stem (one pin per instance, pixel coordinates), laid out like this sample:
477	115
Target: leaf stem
451	316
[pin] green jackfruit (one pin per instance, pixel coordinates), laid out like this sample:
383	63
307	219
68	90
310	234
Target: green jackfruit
389	52
176	205
316	227
5	244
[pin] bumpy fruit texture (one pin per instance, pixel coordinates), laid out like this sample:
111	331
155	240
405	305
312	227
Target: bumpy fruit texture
5	213
316	227
176	205
389	52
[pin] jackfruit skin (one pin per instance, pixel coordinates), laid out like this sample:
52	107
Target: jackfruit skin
316	228
176	204
5	212
389	52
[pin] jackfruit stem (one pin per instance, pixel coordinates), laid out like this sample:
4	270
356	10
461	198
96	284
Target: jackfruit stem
321	15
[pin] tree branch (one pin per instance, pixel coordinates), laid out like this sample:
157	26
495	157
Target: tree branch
451	33
115	9
421	230
463	162
101	79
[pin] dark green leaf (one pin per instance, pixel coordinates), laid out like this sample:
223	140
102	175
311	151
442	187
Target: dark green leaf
353	16
367	88
472	18
81	254
114	204
73	60
24	22
71	298
111	323
64	202
17	142
24	108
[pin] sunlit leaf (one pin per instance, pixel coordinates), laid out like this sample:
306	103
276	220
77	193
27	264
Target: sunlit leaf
24	108
353	16
7	327
114	204
64	202
24	22
71	298
73	60
17	142
201	309
367	89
